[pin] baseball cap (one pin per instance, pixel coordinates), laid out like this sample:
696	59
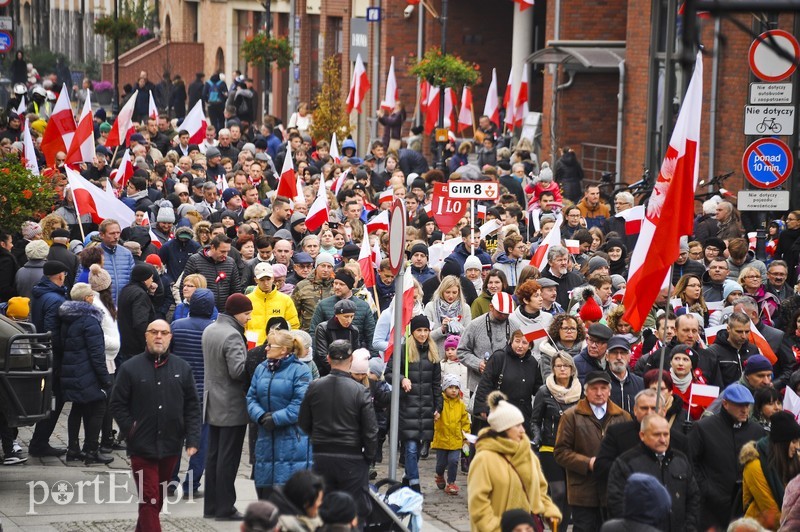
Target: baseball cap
619	342
597	376
263	269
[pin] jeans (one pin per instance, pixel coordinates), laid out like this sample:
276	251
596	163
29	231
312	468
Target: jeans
412	461
449	460
197	464
154	474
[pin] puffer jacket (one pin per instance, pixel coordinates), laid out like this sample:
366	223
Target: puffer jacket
266	306
790	512
84	376
118	263
585	364
418	406
595	216
454	419
758	498
285	449
47	297
135	312
505	475
578	440
187	333
221	286
364	320
547	412
307	295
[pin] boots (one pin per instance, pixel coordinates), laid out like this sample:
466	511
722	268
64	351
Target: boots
74	452
98	458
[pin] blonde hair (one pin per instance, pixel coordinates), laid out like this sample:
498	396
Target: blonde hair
80	292
447	283
196	279
292	343
412	352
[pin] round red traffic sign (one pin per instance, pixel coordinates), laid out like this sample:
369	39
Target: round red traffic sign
765	63
767	163
397	235
6	42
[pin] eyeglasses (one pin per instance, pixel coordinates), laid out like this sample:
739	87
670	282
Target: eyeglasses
155	332
597	341
752	277
560	366
569	329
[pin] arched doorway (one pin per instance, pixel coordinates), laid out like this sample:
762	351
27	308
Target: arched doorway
168	29
219	64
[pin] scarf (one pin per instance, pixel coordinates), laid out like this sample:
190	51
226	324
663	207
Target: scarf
449	310
139	195
562	394
478	284
681	383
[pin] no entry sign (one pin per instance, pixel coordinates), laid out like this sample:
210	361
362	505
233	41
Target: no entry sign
768	65
767	163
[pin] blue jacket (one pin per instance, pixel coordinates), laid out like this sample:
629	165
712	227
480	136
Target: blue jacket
460	254
174	254
422	275
187	333
285	449
84	376
47	298
584	364
182	311
118	264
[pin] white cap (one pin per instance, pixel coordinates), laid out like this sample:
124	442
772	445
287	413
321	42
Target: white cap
263	269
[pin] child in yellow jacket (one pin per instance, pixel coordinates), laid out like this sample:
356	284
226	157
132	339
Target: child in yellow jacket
448	434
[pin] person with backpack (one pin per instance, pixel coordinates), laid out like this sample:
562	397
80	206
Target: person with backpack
215	92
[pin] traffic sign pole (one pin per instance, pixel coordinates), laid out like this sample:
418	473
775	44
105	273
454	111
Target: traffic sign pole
397	240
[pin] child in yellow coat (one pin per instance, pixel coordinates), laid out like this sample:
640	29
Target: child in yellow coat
448	434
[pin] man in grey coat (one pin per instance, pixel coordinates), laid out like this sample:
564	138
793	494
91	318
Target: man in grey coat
224	405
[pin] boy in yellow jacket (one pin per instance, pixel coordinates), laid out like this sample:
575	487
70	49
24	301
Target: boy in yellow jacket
448	434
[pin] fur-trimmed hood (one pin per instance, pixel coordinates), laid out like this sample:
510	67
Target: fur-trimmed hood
72	310
748	453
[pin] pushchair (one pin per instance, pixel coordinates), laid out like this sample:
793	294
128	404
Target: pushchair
397	509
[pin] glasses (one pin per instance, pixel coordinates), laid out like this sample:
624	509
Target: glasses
155	332
752	277
712	248
596	341
560	366
568	329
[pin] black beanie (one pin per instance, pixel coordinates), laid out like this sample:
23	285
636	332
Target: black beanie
346	277
419	248
511	519
783	427
420	321
141	272
337	508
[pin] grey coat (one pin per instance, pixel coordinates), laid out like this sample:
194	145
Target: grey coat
224	354
28	276
476	345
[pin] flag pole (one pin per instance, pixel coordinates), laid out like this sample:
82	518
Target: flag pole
471	226
78	213
472	112
664	346
377	300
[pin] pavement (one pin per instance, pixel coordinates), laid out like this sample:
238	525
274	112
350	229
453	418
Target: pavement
49	495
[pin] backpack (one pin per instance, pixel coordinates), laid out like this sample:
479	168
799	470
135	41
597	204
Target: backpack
214	94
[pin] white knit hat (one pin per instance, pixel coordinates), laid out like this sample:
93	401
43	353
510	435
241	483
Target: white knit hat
473	262
502	414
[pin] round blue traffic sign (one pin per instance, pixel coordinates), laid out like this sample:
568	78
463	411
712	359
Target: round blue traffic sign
6	42
767	163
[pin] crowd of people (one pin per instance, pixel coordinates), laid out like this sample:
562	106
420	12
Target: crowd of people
219	314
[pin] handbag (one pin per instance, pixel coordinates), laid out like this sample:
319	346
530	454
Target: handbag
538	522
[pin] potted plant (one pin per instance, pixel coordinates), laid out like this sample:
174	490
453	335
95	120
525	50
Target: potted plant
261	50
445	70
103	91
23	195
122	28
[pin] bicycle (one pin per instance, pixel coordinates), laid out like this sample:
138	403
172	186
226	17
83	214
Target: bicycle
769	124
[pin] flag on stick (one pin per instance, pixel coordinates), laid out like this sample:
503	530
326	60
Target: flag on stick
390	97
492	108
122	128
358	86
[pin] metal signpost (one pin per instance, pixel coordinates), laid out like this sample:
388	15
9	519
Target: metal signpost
397	259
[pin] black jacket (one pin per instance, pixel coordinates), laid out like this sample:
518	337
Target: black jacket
624	392
693	267
674	473
329	332
60	253
221	285
338	417
134	312
156	406
709	363
786	360
547	412
418	405
565	284
731	361
8	270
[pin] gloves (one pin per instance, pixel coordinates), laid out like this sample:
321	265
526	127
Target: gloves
267	422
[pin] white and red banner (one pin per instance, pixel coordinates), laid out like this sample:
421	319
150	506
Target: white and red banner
508	101
359	86
195	123
379	222
28	153
81	150
658	246
334	151
386	196
522	98
318	211
465	113
287	182
711	333
702	395
534	331
791	402
633	219
573	246
431	109
757	339
539	258
366	263
122	128
93	200
492	107
152	110
450	107
524	4
22	107
124	171
424	89
408	309
60	129
390	96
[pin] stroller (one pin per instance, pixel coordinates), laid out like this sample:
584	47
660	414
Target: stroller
398	509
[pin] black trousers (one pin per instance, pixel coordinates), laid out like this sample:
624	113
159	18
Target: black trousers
7	435
222	464
92	416
346	472
586	518
108	422
44	429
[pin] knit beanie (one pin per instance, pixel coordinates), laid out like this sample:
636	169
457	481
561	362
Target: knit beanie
591	311
448	380
595	263
237	303
337	508
452	341
297	218
154	260
756	364
511	519
99	279
419	248
279	271
37	250
346	277
166	215
685	350
141	272
30	230
19	308
729	287
473	262
420	321
360	362
502	414
325	258
783	427
377	366
545	174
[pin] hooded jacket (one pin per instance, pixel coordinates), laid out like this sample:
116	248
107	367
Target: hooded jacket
418	405
84	376
512	268
595	216
266	306
134	312
175	253
187	333
758	484
452	423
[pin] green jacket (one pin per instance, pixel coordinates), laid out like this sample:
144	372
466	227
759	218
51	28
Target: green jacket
364	320
481	305
307	294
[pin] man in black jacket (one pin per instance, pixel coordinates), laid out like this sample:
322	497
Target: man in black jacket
156	405
785	365
338	416
134	311
559	270
60	252
656	456
731	348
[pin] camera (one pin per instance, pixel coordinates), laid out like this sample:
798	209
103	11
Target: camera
408	11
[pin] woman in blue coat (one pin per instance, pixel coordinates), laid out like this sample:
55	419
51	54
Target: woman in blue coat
273	401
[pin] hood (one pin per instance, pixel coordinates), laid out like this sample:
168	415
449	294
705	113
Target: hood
569	159
641	487
70	311
140	235
45	286
202	303
748	453
502	258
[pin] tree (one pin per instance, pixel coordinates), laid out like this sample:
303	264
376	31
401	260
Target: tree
330	115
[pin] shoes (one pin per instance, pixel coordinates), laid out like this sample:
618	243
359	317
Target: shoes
195	494
440	483
373	474
416	487
16	447
47	451
451	489
425	450
98	458
15	458
76	456
235	516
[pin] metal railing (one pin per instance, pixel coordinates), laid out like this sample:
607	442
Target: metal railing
597	159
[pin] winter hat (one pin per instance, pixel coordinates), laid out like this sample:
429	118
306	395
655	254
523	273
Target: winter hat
729	287
229	193
212	152
237	303
344	306
54	267
503	303
617	281
685	350
154	260
511	519
346	277
502	414
448	380
643	487
783	427
419	248
757	363
283	234
297	218
595	263
452	341
420	321
99	279
166	215
18	308
31	230
279	270
184	233
545	174
337	508
360	362
261	515
59	233
324	258
37	250
141	272
377	366
180	188
590	310
351	251
133	247
473	263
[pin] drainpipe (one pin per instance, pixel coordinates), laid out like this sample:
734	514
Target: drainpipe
554	98
569	82
712	131
620	116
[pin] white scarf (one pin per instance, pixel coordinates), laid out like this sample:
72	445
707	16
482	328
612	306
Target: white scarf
682	383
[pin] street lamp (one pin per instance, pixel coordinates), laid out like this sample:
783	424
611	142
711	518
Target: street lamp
115	101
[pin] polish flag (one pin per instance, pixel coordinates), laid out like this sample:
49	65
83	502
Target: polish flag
287	183
390	97
573	246
93	200
386	195
533	331
28	152
450	107
791	402
152	110
122	128
432	110
752	239
195	123
492	107
490	227
633	219
428	208
318	212
408	309
358	86
60	128
465	113
124	171
658	246
379	222
424	89
365	262
334	151
376	255
711	333
757	339
81	149
524	4
539	258
522	98
508	101
22	107
481	212
702	395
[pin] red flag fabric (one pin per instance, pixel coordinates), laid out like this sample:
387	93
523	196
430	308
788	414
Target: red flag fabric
450	107
573	246
408	309
376	255
152	110
379	222
432	110
524	4
195	123
533	331
358	86
365	262
318	212
492	107
633	219
711	333
386	195
508	101
482	212
424	89
658	246
553	239
287	183
522	98
703	395
81	150
390	97
122	128
124	171
60	128
465	113
759	341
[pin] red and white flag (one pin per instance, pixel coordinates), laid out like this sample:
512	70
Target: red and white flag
408	309
287	183
93	200
450	107
376	255
379	223
670	211
481	212
124	171
534	331
522	98
81	150
28	153
553	239
633	219
711	333
492	107
366	263
359	86
757	339
386	195
573	246
508	101
791	402
22	107
318	212
524	4
752	240
702	395
432	110
424	89
122	128
465	113
334	151
390	97
60	128
152	110
195	123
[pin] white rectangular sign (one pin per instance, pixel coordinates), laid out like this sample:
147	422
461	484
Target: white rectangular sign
6	24
763	200
770	93
769	120
479	190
